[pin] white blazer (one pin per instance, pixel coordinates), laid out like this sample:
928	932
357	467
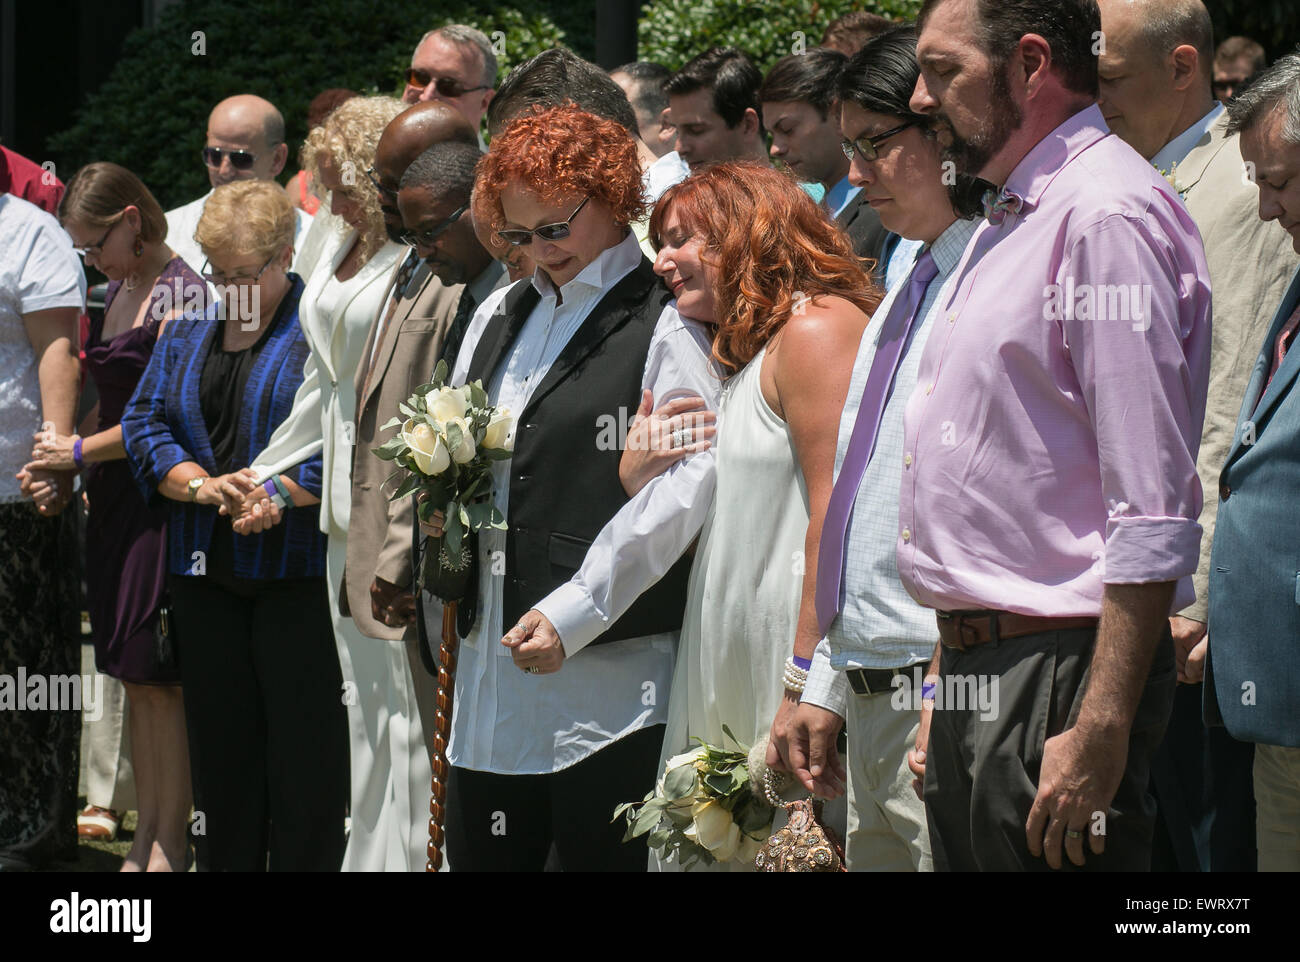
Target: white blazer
323	417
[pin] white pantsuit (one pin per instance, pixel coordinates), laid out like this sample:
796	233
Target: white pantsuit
389	762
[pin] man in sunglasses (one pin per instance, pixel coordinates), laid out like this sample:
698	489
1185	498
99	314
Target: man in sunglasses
456	65
245	141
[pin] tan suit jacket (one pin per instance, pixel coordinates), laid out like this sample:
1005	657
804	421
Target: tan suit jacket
380	530
1251	262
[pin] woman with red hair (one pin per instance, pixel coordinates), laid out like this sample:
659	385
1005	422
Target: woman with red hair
557	722
747	252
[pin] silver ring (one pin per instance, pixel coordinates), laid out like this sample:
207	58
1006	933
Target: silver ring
522	627
681	437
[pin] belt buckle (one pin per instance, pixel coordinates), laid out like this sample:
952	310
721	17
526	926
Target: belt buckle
961	628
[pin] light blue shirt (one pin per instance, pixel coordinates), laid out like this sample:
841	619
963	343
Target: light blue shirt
838	197
1177	149
901	260
879	625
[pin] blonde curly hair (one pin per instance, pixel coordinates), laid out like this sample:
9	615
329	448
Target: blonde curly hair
348	137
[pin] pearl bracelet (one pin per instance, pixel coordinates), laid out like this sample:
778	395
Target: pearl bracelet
793	677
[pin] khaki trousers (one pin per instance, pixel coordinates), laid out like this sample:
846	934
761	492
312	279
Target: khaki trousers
1277	807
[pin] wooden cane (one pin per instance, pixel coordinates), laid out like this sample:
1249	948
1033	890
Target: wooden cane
442	735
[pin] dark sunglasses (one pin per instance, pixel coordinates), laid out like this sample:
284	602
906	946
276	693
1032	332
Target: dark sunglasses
98	246
551	232
869	147
447	86
1226	88
239	159
424	238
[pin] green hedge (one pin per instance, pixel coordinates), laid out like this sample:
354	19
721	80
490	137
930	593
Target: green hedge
673	31
150	114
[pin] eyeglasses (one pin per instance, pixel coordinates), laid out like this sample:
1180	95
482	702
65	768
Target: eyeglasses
98	246
869	147
372	175
447	86
216	277
426	237
239	159
551	232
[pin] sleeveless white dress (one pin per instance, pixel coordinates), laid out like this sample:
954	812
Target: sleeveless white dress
743	597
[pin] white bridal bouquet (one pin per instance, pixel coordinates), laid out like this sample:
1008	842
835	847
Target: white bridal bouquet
705	808
449	438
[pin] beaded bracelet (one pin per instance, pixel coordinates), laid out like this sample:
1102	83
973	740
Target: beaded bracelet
793	677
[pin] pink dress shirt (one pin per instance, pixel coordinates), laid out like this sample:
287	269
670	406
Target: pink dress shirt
1051	440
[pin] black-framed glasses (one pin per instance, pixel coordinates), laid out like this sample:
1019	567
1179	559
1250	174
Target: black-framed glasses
239	159
447	86
216	277
424	238
98	246
551	232
372	175
868	148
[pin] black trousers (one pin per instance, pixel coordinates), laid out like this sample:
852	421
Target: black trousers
981	773
507	823
268	731
1203	781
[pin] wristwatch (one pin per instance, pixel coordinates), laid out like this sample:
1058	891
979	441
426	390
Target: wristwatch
193	485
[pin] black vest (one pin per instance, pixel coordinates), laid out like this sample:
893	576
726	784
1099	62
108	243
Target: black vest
563	488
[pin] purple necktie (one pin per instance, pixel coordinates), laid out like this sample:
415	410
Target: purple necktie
880	382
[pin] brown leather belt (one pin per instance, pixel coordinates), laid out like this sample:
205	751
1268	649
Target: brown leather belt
967	629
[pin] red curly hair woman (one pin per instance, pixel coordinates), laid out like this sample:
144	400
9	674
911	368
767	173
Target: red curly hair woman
562	718
744	250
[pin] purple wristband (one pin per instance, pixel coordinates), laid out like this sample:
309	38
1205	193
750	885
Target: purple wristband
269	488
801	663
76	454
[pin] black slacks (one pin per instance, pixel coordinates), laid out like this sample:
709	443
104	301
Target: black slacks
1204	784
982	766
507	823
268	731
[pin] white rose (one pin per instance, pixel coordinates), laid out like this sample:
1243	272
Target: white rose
715	830
427	447
465	450
445	404
500	432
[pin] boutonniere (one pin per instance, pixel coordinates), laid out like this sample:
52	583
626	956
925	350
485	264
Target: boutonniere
1171	175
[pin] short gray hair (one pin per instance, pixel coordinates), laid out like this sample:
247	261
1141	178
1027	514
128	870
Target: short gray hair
1279	83
464	36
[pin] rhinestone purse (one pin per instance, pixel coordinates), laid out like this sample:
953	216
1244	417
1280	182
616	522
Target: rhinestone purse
803	845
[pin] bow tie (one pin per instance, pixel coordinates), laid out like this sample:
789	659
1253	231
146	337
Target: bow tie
997	203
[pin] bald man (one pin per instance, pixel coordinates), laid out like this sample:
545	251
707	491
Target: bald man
245	141
391	723
1156	94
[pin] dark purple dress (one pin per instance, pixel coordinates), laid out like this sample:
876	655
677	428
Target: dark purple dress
126	543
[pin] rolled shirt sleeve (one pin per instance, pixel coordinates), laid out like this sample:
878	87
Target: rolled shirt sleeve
1143	377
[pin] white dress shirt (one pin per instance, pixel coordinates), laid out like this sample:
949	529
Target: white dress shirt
1176	151
506	720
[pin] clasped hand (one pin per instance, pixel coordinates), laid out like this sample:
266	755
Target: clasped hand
246	502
